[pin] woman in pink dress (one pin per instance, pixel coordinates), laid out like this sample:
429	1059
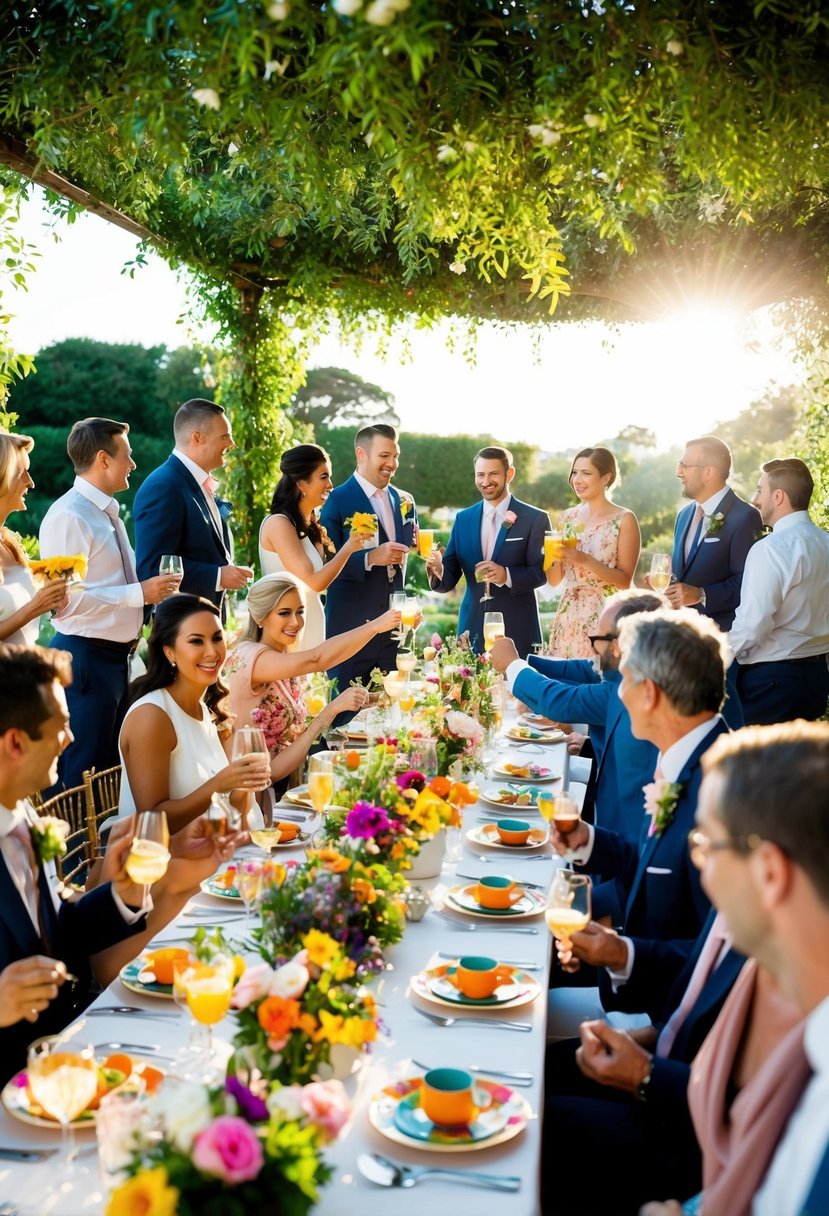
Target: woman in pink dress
602	559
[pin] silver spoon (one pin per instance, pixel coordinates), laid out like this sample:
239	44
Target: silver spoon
384	1172
518	1078
462	928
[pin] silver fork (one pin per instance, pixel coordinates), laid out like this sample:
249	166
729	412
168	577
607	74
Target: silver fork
523	1079
485	1022
464	928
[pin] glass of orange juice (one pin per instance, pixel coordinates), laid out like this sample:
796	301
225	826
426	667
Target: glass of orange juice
553	546
425	542
208	988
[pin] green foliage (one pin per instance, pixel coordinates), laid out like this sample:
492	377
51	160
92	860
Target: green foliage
16	262
333	397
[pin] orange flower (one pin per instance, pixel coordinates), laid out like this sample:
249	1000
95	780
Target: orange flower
460	794
330	858
352	759
363	891
440	786
307	1023
278	1016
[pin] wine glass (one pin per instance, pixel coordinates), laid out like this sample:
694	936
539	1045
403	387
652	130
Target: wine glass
321	780
397	602
568	907
408	616
250	876
423	756
260	820
149	853
249	741
208	988
171	563
566	816
493	629
660	573
190	1052
63	1080
480	577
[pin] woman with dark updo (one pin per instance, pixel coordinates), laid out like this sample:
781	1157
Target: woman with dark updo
291	537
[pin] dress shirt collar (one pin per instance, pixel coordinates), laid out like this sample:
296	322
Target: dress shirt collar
370	490
9	819
190	465
710	505
790	520
673	761
500	509
816	1037
97	497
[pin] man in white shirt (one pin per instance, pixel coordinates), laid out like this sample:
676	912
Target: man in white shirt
765	864
177	511
101	622
497	545
780	634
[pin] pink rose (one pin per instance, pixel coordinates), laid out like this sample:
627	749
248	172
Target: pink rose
464	726
509	518
326	1105
254	985
229	1149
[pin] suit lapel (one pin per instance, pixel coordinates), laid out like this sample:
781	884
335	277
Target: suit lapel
723	506
15	915
514	506
473	525
200	503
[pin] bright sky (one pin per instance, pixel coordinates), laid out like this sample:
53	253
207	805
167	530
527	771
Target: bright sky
582	385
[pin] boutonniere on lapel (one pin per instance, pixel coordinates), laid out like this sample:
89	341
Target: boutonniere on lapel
508	520
225	507
406	504
48	837
661	798
715	523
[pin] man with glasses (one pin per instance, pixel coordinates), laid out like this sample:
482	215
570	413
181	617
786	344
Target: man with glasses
578	690
713	534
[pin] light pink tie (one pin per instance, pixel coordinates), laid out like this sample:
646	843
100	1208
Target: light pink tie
491	536
28	873
691	534
122	540
716	946
384	511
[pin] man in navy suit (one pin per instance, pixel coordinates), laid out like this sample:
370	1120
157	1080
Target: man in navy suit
363	587
176	509
43	942
499	541
713	534
576	690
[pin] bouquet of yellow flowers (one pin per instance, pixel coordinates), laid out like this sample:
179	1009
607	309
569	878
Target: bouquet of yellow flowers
364	523
49	569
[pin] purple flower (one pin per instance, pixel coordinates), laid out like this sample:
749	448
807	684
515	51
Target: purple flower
250	1107
411	780
464	672
365	820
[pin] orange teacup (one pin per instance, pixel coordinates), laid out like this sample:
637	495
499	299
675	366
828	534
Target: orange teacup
450	1097
477	976
496	891
513	831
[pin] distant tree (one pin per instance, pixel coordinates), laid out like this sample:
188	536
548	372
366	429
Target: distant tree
629	445
762	431
333	397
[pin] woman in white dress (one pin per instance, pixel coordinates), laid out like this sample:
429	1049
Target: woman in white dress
175	740
291	537
21	603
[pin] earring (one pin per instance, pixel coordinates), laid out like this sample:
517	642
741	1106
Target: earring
172	664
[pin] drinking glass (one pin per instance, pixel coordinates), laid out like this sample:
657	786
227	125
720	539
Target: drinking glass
321	780
408	616
121	1119
187	1055
208	987
63	1079
480	577
249	741
260	820
493	629
249	879
397	602
423	756
149	853
425	542
171	563
568	905
566	816
553	542
660	574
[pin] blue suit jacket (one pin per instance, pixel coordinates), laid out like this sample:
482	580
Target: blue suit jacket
571	690
816	1202
357	594
172	516
718	562
74	932
665	901
520	548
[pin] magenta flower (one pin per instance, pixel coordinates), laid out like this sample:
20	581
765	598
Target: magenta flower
366	821
229	1149
412	779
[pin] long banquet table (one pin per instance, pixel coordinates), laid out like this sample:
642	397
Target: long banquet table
407	1036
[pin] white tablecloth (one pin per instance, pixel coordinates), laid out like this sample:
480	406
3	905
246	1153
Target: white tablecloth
407	1036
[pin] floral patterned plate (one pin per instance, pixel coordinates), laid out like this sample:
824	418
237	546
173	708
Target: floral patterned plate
528	734
396	1114
433	984
462	899
130	978
487	833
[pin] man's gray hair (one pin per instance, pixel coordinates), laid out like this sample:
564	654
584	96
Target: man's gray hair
683	652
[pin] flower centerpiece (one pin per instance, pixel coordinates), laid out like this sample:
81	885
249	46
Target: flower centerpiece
294	1017
231	1148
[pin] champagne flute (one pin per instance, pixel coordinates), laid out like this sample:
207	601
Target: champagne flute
149	853
320	780
408	616
568	907
566	816
209	987
250	876
493	629
397	602
660	573
63	1080
406	662
171	563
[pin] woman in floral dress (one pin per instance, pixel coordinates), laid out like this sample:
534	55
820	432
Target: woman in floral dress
602	560
263	672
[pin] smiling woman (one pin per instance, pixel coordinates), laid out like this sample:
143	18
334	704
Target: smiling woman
176	733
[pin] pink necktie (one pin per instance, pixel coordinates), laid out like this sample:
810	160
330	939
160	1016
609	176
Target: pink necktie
691	534
384	511
716	945
122	540
30	873
492	533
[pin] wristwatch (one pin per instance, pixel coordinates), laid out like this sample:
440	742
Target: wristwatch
701	596
641	1093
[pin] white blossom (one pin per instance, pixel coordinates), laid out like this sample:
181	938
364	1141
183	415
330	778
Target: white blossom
674	47
380	12
446	154
287	1100
278	11
592	120
457	267
184	1110
208	98
232	149
347	8
549	137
